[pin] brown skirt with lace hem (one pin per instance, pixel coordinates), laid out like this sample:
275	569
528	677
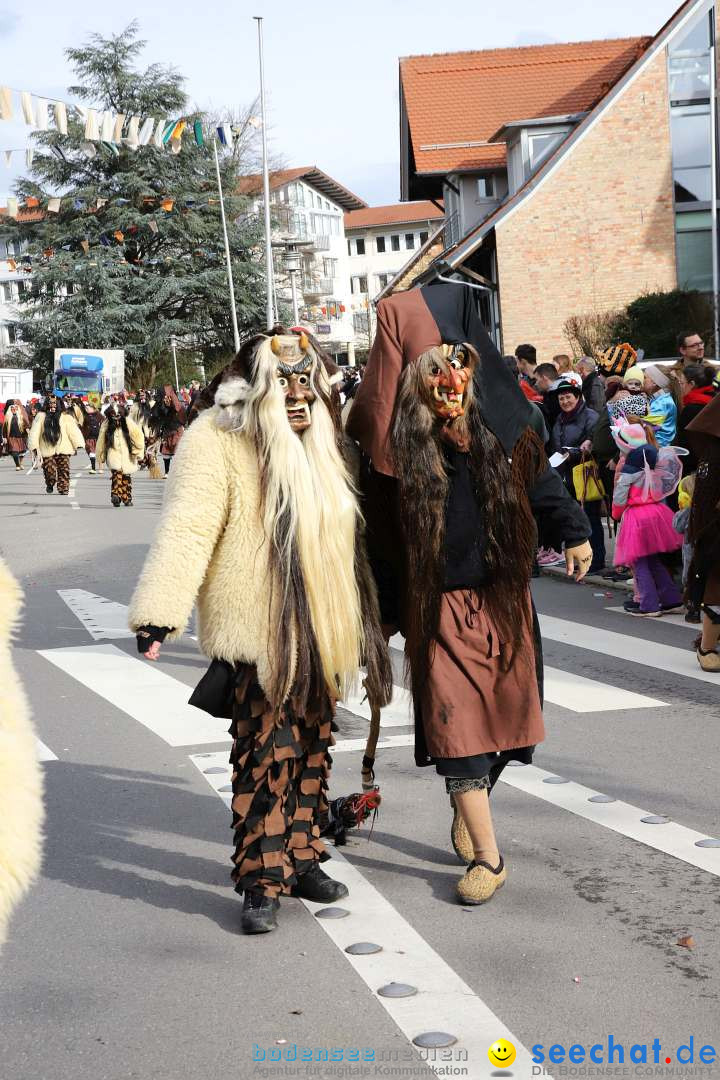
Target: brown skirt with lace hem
281	767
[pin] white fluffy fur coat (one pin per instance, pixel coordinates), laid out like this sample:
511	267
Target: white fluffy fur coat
71	437
210	546
117	456
21	781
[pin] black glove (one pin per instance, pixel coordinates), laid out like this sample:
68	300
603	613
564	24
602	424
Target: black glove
147	634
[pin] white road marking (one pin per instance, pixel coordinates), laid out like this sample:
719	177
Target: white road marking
621	817
347	746
444	1002
397	714
665	659
102	618
587	695
44	753
676	620
136	687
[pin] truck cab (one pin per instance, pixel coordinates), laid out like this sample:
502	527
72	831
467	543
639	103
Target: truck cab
78	374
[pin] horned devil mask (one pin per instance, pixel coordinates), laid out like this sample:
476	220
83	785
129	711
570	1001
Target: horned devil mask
296	365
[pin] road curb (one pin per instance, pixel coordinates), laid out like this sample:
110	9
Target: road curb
560	573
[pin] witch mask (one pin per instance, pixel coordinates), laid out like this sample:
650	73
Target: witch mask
295	364
447	377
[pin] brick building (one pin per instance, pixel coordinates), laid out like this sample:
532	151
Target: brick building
601	191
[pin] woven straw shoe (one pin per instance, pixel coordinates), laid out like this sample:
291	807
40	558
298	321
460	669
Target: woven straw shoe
480	883
460	837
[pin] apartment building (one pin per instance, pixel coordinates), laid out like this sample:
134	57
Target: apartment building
307	209
13	285
576	177
380	241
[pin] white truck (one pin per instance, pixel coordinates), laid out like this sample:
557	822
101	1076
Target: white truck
16	383
81	372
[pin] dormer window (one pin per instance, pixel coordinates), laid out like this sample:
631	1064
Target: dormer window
531	142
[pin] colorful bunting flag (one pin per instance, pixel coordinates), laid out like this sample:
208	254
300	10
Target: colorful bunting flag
53	206
6	108
27	108
61	117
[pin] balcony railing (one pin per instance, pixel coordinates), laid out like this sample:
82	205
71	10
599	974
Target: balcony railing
317	286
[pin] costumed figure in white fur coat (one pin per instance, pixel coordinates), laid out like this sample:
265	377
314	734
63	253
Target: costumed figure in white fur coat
121	444
261	526
21	782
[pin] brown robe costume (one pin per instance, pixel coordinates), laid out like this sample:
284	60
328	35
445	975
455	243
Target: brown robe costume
473	704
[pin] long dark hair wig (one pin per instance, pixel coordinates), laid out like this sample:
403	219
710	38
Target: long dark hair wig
500	489
118	421
51	424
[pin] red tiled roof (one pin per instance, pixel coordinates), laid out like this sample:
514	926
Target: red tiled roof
24	215
466	97
395	214
252	185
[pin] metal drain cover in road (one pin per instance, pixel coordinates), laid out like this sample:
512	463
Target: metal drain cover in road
710	842
555	780
655	819
395	990
332	913
434	1040
215	769
363	948
226	787
602	798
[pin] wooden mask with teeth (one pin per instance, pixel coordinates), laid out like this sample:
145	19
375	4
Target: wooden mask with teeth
447	377
295	365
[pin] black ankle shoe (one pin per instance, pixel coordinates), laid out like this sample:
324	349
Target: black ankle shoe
114	500
259	913
315	884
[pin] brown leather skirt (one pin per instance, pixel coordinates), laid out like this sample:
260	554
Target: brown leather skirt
482	698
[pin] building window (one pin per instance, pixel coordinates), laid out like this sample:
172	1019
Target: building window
486	187
395	242
384	279
360	246
409	240
423	238
541	146
329	268
689	64
690	127
380	245
358	283
694	250
7	292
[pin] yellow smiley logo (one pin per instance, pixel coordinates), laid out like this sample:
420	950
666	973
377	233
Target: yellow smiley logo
501	1053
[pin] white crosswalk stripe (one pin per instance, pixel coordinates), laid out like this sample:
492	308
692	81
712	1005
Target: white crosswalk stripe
44	753
663	658
144	692
102	618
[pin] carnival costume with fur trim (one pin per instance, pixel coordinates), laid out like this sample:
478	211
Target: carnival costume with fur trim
120	444
16	427
54	436
464	604
262	528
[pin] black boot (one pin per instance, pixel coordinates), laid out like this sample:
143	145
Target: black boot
259	913
114	500
315	884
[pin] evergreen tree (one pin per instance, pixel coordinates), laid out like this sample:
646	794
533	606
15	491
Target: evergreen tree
135	255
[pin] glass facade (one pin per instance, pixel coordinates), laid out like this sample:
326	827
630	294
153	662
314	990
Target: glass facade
690	87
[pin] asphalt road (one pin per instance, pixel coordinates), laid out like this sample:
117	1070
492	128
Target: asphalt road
126	959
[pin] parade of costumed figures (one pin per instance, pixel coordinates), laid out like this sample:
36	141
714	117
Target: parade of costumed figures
261	526
120	445
54	438
15	430
167	419
92	419
451	477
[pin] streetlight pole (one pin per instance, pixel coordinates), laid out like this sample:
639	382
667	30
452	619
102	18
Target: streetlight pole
233	310
270	307
174	352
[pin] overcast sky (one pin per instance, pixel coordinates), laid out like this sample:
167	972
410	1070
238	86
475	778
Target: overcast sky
331	69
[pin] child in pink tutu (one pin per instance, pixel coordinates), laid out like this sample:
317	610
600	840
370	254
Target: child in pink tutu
646	476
